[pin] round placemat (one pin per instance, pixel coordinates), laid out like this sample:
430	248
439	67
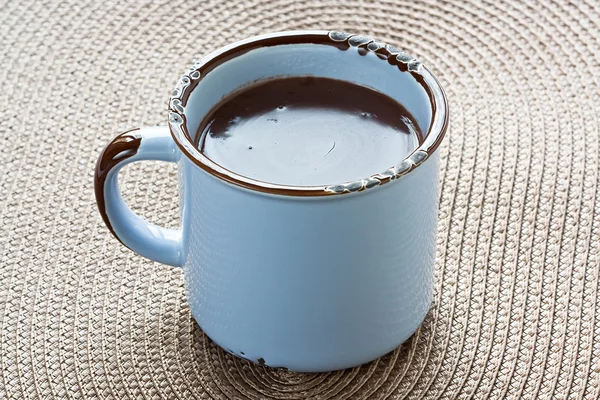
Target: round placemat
516	312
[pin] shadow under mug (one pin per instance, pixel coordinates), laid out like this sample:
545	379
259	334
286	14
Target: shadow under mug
312	278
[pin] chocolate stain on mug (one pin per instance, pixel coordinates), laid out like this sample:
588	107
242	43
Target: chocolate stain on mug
124	146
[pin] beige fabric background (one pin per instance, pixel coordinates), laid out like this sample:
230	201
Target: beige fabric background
516	311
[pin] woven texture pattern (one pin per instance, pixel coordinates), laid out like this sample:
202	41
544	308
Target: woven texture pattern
516	312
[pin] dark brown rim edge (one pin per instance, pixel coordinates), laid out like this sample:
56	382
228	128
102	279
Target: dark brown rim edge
393	55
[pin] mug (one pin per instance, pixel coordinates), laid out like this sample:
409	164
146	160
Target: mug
308	278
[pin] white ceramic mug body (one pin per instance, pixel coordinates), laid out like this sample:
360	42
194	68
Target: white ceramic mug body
310	279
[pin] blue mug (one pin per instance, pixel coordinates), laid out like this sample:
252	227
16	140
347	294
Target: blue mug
309	278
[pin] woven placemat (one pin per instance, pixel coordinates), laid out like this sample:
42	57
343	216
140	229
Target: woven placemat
516	312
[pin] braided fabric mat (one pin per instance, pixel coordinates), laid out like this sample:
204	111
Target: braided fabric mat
516	312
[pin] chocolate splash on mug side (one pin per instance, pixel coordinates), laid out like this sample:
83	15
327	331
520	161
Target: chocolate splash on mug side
122	147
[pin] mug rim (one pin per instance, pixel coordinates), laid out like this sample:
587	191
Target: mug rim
431	140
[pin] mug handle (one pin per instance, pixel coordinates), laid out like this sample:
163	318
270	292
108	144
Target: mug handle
148	240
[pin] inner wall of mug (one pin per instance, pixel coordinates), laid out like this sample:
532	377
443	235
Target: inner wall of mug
296	60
